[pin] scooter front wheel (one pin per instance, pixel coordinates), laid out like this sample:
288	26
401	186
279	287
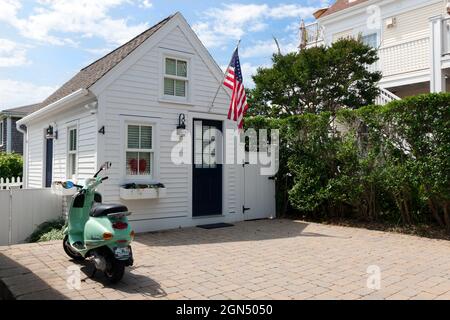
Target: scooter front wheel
114	270
71	252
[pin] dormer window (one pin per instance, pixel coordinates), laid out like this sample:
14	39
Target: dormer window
175	78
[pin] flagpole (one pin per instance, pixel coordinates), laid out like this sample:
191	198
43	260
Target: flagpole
224	76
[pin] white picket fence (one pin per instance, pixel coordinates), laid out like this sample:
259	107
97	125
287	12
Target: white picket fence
22	210
11	183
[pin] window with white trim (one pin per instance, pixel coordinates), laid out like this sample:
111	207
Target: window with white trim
175	77
1	132
371	40
72	141
139	152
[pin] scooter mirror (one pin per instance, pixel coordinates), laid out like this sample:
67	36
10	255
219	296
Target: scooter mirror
68	185
106	165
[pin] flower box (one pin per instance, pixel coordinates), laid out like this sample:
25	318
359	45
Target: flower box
136	192
58	189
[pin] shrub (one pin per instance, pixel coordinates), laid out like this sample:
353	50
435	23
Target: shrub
11	165
392	163
49	230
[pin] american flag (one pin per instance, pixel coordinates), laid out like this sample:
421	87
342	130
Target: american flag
234	81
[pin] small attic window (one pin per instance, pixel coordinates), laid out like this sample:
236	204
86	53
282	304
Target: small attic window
175	77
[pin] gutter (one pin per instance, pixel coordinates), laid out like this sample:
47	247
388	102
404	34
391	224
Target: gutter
74	96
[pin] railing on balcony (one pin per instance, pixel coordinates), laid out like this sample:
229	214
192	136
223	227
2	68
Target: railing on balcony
385	97
404	57
446	37
314	34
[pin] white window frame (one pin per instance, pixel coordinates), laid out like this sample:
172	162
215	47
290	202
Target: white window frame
1	132
152	151
71	152
187	79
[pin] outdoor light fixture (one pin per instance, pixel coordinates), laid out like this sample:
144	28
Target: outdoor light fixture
181	127
51	133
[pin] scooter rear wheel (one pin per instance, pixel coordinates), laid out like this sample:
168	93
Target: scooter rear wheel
69	251
114	270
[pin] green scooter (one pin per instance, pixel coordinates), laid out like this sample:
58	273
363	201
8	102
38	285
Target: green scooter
98	232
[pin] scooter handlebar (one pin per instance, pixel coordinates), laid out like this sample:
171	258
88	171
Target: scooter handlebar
104	178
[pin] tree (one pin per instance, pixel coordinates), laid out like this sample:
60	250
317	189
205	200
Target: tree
315	80
10	165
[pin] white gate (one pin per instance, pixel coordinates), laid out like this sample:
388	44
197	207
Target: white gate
22	210
259	196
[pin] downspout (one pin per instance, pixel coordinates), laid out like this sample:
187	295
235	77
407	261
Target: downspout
23	129
8	134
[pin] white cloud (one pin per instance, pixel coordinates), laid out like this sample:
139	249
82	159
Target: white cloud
248	70
266	48
232	21
12	54
145	4
84	18
16	93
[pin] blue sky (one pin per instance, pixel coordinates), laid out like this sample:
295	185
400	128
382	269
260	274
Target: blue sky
44	43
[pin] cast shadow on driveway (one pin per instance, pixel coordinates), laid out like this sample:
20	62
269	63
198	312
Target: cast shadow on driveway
18	282
132	282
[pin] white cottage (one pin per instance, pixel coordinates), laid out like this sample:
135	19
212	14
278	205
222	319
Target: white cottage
124	108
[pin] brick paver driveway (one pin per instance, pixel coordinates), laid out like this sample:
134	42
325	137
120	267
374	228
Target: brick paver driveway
274	259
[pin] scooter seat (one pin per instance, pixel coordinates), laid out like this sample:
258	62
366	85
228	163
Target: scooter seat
102	209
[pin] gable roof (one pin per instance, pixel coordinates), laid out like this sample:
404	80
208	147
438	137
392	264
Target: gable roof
340	5
96	70
23	110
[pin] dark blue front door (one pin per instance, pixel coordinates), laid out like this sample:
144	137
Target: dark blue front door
48	163
207	168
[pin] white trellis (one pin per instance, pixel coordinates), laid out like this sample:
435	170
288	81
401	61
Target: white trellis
11	183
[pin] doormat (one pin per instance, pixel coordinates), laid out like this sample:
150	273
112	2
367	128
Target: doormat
215	225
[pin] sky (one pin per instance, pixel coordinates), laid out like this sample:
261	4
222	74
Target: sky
44	43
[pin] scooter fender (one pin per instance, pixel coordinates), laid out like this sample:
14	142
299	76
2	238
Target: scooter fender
94	231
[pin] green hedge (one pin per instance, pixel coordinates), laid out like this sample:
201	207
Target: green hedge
390	163
10	165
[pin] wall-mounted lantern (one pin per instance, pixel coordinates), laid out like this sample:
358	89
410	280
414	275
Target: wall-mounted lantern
181	127
51	133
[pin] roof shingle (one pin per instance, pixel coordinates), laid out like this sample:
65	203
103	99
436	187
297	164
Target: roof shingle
340	5
96	70
23	109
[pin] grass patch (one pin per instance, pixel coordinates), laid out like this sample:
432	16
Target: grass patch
49	230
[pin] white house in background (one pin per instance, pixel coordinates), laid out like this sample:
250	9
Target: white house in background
412	37
124	108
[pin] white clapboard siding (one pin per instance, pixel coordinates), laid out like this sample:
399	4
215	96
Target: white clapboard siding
136	93
87	149
411	25
11	183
